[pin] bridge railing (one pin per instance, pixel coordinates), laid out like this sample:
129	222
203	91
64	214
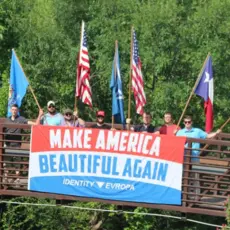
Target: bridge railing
205	184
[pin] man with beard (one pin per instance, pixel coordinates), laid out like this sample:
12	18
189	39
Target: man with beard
52	117
100	121
72	119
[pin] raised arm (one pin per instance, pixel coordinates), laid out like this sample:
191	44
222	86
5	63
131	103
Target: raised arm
39	117
212	135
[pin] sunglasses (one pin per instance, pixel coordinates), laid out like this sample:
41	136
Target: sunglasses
68	114
51	106
100	117
187	122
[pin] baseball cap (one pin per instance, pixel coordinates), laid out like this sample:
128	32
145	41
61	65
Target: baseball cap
50	103
100	113
68	111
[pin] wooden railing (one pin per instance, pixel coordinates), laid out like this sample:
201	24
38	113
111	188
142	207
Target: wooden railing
205	185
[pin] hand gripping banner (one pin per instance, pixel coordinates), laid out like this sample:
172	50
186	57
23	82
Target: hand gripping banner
106	164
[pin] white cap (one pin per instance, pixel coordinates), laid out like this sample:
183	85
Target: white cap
50	103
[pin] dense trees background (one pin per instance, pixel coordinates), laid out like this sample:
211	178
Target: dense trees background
174	38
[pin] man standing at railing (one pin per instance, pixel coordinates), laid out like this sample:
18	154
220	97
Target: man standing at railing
169	128
14	141
190	131
72	119
52	117
100	121
147	126
13	133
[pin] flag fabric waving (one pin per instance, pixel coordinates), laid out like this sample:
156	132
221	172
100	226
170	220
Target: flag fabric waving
205	90
18	83
83	89
117	93
137	79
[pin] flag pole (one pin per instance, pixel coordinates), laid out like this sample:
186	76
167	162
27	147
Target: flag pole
115	73
78	61
192	92
221	127
31	89
75	97
225	123
130	77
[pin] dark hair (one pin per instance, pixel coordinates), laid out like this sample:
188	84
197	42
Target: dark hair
188	117
14	105
148	113
168	113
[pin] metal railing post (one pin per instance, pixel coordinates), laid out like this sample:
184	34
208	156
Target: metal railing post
1	155
187	160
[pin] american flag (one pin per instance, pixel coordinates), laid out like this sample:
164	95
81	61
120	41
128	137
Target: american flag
137	79
83	89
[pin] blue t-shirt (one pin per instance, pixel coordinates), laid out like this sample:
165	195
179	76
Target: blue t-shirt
55	120
193	133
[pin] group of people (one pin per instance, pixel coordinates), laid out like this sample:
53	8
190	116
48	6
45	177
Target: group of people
71	119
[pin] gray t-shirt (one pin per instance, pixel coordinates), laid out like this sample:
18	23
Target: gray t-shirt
11	131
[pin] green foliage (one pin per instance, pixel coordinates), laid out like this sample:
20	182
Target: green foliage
4	91
44	215
227	213
174	39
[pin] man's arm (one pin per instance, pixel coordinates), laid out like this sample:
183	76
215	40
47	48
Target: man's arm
157	130
39	117
81	123
212	135
24	121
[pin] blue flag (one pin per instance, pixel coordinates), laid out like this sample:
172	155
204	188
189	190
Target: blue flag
117	93
18	83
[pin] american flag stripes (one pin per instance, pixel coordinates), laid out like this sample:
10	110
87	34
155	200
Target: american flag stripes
137	79
83	89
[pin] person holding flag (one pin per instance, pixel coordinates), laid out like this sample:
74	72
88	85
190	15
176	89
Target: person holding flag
117	93
192	132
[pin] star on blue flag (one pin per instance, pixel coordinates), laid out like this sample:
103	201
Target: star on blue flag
117	92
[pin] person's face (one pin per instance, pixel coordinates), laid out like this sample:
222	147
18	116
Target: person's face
100	119
167	118
51	108
188	123
146	119
68	116
14	111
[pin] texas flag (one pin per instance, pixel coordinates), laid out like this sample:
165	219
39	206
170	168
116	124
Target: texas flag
205	90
